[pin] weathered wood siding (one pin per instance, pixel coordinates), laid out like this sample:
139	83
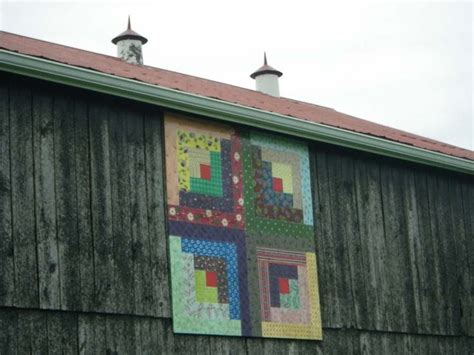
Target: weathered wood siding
81	203
83	252
396	246
57	332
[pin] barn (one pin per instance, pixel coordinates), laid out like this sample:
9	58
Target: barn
106	192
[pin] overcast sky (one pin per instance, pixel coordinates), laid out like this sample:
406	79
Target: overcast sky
408	64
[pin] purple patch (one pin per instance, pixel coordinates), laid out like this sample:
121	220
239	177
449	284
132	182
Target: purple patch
276	271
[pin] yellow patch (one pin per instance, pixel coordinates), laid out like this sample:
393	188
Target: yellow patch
192	141
301	331
283	171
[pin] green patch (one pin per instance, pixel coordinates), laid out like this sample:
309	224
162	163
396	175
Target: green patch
257	225
292	299
211	187
204	294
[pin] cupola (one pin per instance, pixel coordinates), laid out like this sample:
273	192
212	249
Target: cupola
266	79
129	45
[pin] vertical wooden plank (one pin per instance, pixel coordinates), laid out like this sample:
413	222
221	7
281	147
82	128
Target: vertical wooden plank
462	346
370	342
370	218
341	272
267	346
399	273
448	241
39	331
227	345
7	271
459	235
25	334
184	344
452	238
137	333
32	332
121	224
254	346
110	335
418	234
394	343
100	334
339	341
467	199
120	334
347	197
332	275
22	183
324	247
8	333
115	335
66	202
365	344
155	173
130	342
55	333
416	344
69	327
148	345
439	270
409	344
390	233
162	333
139	218
314	348
86	333
45	207
304	347
63	332
413	235
425	255
469	343
101	208
84	218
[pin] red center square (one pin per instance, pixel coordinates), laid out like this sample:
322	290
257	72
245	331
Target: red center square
277	184
211	279
205	171
284	285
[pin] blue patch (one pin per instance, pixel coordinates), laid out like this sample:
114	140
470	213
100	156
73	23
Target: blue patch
270	196
227	251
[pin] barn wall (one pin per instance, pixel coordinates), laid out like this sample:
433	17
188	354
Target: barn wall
395	246
83	255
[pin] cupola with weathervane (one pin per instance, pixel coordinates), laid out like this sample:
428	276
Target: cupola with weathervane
266	79
129	45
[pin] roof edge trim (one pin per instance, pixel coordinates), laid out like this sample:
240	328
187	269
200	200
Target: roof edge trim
174	99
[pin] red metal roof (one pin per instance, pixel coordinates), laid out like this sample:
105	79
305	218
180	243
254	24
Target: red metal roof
250	98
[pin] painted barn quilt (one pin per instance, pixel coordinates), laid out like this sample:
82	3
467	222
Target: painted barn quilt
241	238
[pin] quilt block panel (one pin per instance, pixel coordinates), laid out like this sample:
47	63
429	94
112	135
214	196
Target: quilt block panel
204	173
241	237
277	189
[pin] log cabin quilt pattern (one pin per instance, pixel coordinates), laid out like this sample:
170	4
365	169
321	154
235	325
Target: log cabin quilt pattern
241	236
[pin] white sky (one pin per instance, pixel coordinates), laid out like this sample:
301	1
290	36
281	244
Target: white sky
408	64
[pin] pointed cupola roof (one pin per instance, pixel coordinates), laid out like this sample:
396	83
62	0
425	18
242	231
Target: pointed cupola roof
129	34
265	69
